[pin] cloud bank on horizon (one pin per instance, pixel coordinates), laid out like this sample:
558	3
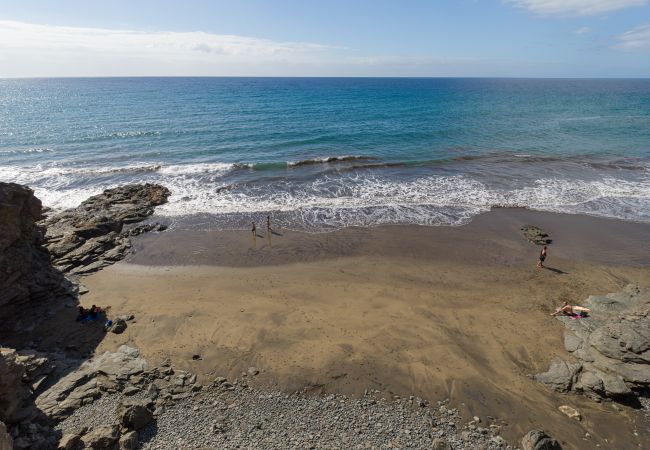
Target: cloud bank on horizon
34	49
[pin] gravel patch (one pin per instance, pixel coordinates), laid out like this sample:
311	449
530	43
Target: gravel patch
244	418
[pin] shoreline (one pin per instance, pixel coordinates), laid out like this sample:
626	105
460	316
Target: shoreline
437	312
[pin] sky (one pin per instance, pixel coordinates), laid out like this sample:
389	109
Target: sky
414	38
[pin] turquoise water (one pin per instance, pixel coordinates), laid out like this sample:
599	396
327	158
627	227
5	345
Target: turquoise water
328	153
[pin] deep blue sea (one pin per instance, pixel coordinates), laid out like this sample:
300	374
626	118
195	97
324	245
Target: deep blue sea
325	153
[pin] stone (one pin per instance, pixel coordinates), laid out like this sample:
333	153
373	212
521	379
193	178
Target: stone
440	444
570	412
252	371
539	440
129	441
561	376
130	390
70	442
134	414
536	235
102	437
118	326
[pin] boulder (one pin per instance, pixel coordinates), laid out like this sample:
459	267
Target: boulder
539	440
118	326
570	412
105	437
129	441
561	376
134	414
70	442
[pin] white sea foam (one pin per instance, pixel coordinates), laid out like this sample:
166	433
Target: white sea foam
362	198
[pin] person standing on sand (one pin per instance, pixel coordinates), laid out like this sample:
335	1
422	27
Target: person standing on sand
542	258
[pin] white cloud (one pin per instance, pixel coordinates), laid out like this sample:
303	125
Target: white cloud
572	8
636	39
582	30
28	49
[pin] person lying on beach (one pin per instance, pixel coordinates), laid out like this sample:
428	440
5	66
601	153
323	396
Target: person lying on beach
568	310
542	258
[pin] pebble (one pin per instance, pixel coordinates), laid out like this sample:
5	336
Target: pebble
253	418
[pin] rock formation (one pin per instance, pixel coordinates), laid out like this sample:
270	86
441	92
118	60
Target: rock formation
32	290
612	347
535	235
93	235
539	440
28	284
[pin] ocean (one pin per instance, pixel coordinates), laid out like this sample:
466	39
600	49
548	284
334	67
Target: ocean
320	154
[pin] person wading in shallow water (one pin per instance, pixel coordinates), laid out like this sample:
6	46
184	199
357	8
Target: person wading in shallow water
268	224
542	258
254	229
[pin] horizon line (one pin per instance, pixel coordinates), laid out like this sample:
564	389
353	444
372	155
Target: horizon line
333	77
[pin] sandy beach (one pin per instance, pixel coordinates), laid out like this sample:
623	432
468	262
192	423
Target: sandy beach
457	313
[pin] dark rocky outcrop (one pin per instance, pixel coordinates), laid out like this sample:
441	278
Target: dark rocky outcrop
612	347
95	234
29	287
535	235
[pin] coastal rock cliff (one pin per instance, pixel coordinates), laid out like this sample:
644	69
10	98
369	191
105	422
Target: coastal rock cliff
29	287
612	347
38	263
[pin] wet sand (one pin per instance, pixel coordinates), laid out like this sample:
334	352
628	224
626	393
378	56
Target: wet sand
439	312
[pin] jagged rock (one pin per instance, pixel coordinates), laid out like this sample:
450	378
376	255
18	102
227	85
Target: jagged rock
28	283
134	414
102	437
70	391
536	235
6	443
86	238
145	228
561	376
118	326
612	346
539	440
70	442
129	441
14	394
570	412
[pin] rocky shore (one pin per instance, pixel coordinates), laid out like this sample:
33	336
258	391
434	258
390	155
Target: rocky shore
611	346
40	261
61	393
